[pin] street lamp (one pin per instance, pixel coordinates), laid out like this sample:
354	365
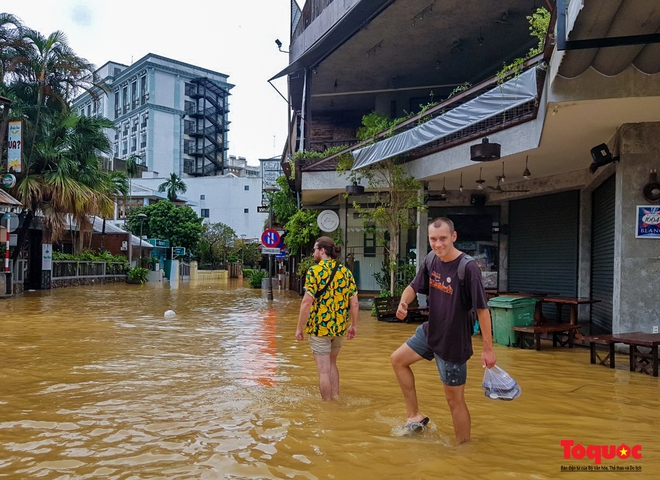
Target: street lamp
141	216
242	249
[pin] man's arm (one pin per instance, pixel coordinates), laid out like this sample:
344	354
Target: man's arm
354	306
305	307
488	358
407	296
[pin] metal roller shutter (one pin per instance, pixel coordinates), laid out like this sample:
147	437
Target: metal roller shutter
543	245
602	255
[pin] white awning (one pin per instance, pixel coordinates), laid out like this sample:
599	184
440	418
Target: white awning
511	94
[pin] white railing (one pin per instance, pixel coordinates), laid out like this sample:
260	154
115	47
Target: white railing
64	269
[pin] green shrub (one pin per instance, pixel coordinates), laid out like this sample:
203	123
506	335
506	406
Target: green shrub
137	275
256	277
247	272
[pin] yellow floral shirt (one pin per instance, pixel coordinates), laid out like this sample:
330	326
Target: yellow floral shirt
330	314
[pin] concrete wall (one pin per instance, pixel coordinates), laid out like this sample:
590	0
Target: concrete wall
636	260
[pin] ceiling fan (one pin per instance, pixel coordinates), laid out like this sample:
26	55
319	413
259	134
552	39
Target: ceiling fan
500	180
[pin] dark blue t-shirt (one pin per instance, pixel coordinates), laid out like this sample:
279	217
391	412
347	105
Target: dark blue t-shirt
448	329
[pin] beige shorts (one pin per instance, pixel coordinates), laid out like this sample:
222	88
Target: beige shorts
324	345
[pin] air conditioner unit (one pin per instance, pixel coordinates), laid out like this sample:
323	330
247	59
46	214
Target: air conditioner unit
124	246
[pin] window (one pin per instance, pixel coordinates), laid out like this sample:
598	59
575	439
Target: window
117	105
189	107
246	188
143	140
143	89
246	210
202	197
124	92
134	95
133	143
124	147
144	121
205	213
89	109
369	242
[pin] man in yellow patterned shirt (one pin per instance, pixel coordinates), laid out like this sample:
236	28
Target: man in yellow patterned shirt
330	296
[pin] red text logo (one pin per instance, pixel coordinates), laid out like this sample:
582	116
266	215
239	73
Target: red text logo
598	452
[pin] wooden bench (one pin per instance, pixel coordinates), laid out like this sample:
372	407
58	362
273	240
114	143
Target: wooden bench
531	336
386	310
646	362
606	340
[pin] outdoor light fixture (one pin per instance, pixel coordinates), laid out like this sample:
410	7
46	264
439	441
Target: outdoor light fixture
651	190
601	156
460	187
480	182
501	179
485	151
443	192
354	189
279	45
526	173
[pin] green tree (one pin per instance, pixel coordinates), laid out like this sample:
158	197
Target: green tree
395	192
180	225
172	186
64	175
302	229
217	242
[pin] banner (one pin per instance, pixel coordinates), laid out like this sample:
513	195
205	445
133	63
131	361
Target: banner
15	146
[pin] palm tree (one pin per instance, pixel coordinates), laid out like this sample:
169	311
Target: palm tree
173	186
10	42
64	176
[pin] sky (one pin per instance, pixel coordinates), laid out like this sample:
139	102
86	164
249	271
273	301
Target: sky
233	37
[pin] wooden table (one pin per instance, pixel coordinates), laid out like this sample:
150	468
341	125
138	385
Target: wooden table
571	302
638	359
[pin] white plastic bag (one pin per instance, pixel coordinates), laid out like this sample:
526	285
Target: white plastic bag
499	385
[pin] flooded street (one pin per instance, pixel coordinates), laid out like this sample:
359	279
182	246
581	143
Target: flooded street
95	382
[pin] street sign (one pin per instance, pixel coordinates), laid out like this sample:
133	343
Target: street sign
270	251
262	208
270	238
179	251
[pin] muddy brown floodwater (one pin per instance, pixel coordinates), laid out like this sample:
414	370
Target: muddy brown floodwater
95	382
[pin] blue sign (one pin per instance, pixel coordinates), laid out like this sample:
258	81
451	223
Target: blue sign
270	238
648	221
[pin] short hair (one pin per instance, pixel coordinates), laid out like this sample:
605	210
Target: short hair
328	245
438	222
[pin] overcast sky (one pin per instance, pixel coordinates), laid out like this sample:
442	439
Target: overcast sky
234	37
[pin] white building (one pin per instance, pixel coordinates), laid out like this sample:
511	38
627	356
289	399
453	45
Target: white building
170	114
229	199
173	118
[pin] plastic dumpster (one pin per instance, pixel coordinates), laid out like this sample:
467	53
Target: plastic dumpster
508	312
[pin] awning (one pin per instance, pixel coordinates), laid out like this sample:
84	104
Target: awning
511	94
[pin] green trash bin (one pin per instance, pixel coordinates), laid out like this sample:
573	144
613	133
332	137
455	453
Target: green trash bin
508	312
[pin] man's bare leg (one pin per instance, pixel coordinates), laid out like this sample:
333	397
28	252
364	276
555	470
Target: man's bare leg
325	378
401	359
460	414
334	373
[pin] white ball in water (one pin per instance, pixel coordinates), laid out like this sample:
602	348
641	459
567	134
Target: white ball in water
170	313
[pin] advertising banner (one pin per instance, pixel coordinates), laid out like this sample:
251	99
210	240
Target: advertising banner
15	146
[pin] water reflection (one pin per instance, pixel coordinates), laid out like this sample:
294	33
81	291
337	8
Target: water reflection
96	383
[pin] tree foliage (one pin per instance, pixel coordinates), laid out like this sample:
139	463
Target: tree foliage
216	242
180	225
173	186
302	229
394	193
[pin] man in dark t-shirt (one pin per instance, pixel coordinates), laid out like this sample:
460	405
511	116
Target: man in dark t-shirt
447	335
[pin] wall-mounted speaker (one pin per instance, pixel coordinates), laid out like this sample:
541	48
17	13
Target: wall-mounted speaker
477	200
